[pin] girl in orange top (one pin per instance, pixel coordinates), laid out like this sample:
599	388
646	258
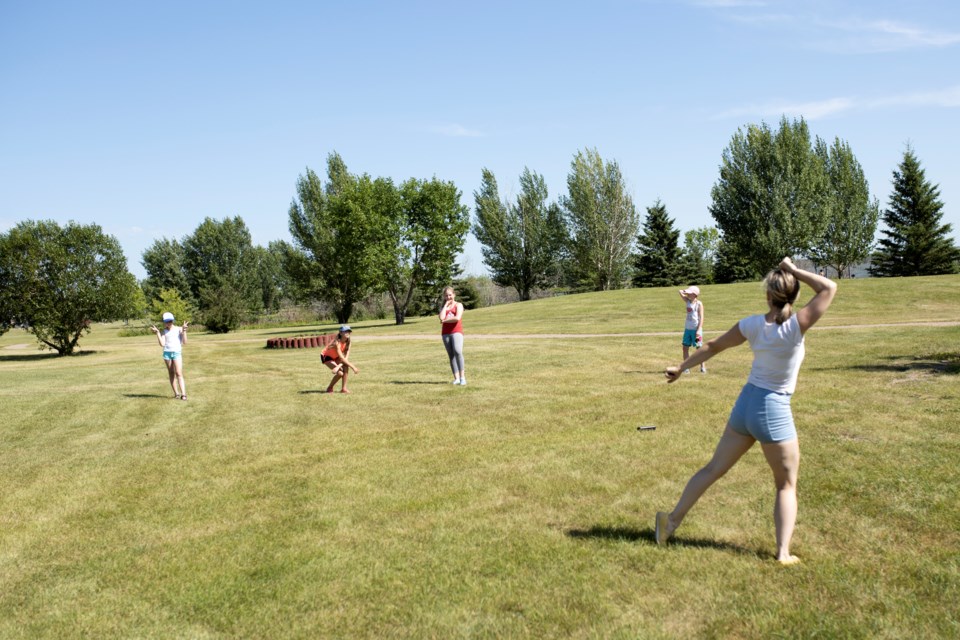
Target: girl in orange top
335	356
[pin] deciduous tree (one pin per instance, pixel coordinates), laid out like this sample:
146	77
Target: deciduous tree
428	227
341	235
220	263
55	281
847	236
770	200
602	221
522	241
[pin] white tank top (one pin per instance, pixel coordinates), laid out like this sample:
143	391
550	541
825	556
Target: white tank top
693	315
171	340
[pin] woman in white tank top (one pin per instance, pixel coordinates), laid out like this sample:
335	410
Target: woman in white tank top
762	412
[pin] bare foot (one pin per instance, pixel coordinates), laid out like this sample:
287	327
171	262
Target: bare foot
344	391
789	560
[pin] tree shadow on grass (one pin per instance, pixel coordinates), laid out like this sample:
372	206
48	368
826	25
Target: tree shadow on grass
934	363
46	355
629	534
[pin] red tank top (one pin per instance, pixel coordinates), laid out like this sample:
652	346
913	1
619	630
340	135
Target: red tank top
448	327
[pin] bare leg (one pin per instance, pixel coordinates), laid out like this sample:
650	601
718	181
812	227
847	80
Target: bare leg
178	369
344	373
336	379
172	374
731	447
784	461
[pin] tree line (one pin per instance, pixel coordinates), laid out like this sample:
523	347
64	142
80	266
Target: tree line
778	193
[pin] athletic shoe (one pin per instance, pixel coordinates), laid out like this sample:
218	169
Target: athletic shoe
660	528
463	382
456	382
703	369
686	370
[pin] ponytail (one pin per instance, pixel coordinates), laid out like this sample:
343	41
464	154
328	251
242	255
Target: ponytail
782	289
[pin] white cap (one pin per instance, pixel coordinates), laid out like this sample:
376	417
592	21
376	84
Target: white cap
695	290
168	317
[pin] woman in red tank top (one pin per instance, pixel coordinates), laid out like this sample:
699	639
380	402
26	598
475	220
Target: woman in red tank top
451	332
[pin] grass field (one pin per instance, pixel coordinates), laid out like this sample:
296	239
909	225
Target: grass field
519	506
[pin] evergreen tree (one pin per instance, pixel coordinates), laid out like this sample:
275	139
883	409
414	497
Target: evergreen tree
657	263
916	243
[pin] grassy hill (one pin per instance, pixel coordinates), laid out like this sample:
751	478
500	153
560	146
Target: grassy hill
519	506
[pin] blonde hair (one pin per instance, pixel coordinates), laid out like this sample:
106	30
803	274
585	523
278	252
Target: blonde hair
782	291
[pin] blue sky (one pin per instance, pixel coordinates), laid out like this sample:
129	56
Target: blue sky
148	117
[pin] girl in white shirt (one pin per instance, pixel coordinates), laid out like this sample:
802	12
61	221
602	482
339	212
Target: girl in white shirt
172	340
762	412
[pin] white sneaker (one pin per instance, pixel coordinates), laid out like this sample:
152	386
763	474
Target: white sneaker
456	382
463	382
703	369
686	370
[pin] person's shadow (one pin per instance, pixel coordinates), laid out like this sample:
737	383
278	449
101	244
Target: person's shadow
630	534
144	395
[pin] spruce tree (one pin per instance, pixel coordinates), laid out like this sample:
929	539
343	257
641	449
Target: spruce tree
658	262
916	243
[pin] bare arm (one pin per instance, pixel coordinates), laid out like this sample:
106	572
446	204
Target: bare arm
342	355
183	334
731	338
700	326
157	332
455	318
823	291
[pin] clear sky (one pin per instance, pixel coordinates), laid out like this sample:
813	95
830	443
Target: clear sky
145	118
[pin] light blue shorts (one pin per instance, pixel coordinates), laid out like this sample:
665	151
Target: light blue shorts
763	414
690	338
171	355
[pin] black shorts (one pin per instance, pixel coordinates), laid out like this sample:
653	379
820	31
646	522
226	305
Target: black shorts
325	359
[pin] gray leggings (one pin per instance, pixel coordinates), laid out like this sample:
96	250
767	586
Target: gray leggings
454	344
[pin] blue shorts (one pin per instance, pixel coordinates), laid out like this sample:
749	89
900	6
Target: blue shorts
171	355
763	415
690	338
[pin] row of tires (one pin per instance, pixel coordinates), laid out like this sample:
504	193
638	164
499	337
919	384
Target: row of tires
308	342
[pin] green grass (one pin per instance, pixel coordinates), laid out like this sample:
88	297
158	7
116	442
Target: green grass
519	506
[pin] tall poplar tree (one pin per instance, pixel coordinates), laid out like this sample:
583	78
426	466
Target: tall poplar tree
847	237
602	220
916	243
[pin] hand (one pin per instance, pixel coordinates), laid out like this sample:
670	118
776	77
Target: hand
787	265
672	374
185	323
355	370
154	329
